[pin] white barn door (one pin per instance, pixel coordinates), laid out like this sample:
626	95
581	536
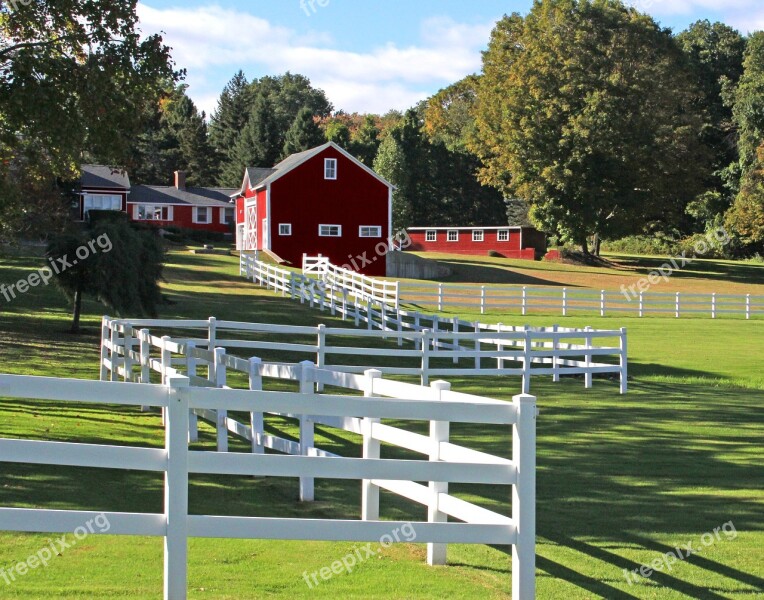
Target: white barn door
250	222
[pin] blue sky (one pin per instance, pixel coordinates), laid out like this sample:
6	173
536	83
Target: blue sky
368	55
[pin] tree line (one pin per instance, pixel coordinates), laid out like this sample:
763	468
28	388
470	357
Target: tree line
588	119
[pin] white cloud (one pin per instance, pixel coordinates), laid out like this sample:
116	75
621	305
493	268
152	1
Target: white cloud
686	7
208	40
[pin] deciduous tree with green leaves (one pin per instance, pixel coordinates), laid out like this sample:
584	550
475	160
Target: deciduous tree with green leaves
75	77
588	110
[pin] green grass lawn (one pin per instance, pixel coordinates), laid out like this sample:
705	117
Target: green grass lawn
621	479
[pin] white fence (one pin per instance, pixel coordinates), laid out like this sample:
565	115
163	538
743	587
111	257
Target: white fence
446	349
358	286
182	403
568	301
469	347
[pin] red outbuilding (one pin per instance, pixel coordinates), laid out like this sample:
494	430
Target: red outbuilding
509	242
321	201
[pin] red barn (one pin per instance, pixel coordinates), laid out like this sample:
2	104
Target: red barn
205	209
510	242
321	201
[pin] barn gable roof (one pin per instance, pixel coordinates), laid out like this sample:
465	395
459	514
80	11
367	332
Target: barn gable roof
258	177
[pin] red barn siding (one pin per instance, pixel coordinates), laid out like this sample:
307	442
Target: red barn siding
305	199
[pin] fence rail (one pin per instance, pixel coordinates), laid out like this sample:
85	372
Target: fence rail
358	286
567	301
523	351
183	403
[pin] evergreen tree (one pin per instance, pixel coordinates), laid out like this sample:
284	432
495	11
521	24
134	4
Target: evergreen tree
365	144
304	134
228	121
122	271
258	145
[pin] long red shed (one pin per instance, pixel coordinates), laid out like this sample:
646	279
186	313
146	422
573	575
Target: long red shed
508	241
321	201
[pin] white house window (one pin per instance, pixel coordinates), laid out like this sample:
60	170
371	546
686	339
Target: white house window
227	215
503	235
370	231
285	229
453	235
330	230
478	235
202	214
431	235
150	212
101	202
330	168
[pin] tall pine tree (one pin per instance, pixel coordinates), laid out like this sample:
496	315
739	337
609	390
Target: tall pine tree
304	134
228	121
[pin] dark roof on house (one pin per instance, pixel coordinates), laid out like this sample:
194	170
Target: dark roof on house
102	176
158	194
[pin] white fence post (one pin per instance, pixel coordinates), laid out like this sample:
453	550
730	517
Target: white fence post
477	345
371	448
176	491
713	305
527	348
525	301
369	315
588	359
193	421
256	419
143	336
602	303
104	372
397	295
426	343
321	353
524	498
307	437
440	297
482	300
641	304
128	353
212	334
456	345
623	362
114	353
222	413
555	358
677	305
748	306
564	302
439	432
166	366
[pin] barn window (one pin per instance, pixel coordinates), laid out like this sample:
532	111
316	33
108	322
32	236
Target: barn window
503	235
202	214
227	215
330	230
453	235
431	235
478	235
370	231
285	229
330	168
